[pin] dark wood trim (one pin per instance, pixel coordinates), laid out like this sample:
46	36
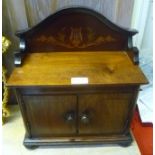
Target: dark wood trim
76	89
89	11
18	58
77	141
133	54
131	110
23	112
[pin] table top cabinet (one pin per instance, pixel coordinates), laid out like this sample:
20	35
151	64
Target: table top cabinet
76	80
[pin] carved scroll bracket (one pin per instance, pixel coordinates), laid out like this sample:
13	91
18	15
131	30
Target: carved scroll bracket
134	55
18	56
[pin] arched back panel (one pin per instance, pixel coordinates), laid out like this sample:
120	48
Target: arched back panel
76	29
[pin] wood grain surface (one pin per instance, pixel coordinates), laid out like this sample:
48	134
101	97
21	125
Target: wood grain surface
107	112
46	114
57	68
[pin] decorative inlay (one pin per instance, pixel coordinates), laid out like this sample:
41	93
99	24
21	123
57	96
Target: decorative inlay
75	37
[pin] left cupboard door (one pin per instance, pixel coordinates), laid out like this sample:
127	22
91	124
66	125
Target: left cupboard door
51	115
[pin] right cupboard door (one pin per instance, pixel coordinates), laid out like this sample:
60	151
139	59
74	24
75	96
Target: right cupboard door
104	113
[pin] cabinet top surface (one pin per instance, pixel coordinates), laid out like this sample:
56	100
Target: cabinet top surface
58	68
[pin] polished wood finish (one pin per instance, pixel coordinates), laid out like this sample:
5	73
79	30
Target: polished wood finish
58	112
57	69
122	140
75	29
102	110
47	114
110	110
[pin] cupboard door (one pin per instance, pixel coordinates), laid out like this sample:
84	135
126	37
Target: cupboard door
51	115
104	113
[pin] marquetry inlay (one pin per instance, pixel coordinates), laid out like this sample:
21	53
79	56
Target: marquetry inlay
76	37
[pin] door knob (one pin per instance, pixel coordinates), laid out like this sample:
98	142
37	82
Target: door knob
84	118
70	116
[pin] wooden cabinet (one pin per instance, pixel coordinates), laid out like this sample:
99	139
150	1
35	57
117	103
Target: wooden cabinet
78	114
76	82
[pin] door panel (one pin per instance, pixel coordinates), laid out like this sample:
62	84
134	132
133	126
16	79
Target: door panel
47	115
103	113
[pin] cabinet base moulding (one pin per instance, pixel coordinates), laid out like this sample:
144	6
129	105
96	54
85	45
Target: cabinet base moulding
122	140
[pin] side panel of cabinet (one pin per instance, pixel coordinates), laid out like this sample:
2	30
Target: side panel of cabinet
105	113
47	114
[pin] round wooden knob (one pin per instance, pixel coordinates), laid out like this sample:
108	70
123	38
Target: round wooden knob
85	118
70	116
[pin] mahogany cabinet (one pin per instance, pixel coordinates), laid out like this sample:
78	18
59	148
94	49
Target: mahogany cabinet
76	80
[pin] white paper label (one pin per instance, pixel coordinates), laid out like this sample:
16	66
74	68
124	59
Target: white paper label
79	80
